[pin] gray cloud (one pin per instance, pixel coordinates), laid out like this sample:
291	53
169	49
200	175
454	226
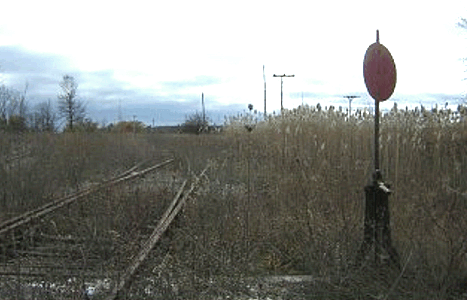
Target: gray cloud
161	111
102	85
105	95
197	81
17	60
41	71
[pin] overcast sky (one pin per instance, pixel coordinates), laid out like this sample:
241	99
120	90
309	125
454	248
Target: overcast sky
155	58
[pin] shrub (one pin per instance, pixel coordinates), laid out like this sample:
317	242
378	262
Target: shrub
195	124
128	127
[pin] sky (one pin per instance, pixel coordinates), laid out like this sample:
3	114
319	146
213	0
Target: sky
154	59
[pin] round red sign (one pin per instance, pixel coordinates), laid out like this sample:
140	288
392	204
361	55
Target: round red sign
379	71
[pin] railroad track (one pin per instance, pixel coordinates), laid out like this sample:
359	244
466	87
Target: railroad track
70	265
166	219
54	205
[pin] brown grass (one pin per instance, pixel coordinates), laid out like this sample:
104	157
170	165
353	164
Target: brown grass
286	198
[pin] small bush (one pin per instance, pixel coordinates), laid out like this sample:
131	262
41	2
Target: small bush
127	127
195	124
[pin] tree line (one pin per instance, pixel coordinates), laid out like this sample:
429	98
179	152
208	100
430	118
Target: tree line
16	115
69	114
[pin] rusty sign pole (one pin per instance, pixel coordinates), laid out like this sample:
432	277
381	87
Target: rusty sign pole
377	100
379	71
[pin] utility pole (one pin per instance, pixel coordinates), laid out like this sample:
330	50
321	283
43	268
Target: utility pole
350	97
282	83
120	116
264	79
204	112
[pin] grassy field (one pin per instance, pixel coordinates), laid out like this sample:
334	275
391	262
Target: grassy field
285	198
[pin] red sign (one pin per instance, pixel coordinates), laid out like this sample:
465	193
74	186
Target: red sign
379	71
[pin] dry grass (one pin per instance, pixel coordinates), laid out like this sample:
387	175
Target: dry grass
285	198
288	199
59	164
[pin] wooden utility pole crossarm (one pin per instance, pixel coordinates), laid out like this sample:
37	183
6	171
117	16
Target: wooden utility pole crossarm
282	83
350	98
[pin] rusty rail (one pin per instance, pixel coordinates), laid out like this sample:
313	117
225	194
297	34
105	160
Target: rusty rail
52	206
166	219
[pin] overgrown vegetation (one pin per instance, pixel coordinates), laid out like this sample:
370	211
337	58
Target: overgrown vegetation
284	198
195	123
289	200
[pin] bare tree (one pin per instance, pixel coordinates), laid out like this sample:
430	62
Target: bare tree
462	23
45	117
69	106
23	105
13	109
18	114
4	105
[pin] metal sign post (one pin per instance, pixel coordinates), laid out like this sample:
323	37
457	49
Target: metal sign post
379	71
